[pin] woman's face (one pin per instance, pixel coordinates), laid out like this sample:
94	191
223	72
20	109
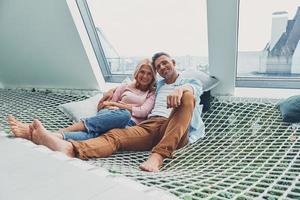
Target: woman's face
144	76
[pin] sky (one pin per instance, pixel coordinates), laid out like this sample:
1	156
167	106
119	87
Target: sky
143	27
255	21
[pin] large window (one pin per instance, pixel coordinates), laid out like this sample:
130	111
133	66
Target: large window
269	48
124	32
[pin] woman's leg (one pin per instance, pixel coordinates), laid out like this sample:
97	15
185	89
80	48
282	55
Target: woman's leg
79	126
18	128
106	120
77	135
94	126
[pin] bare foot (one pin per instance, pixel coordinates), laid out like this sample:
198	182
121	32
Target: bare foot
153	164
18	128
43	137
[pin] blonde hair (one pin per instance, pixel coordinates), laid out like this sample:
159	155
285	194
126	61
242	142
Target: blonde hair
146	62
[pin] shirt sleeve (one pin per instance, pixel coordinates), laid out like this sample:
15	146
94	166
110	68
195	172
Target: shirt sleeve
143	110
197	88
118	93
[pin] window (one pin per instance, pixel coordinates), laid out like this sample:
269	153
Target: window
269	50
125	32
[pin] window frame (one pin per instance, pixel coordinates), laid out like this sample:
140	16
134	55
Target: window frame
96	44
262	82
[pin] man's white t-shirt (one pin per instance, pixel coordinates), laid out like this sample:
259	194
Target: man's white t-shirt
160	107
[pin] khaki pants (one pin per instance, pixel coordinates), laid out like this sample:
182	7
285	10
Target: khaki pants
159	134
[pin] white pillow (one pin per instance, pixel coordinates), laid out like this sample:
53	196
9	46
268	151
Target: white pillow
81	109
208	81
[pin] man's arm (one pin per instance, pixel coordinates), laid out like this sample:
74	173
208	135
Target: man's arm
174	99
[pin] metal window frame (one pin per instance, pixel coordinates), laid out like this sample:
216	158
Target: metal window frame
96	44
263	82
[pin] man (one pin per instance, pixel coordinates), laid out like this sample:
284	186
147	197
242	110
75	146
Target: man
174	121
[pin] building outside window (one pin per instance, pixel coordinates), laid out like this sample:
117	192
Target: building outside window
268	46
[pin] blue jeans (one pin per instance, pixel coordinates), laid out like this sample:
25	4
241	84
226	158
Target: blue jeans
104	120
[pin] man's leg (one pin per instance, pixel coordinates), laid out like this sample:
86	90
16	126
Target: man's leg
43	137
136	138
172	135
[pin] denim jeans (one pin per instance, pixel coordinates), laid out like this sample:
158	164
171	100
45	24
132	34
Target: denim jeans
103	121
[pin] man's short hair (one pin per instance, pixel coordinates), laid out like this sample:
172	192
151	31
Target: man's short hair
157	55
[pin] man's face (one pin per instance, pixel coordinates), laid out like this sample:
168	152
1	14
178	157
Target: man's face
165	66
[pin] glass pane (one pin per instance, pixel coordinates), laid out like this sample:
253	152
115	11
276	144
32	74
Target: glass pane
131	30
269	33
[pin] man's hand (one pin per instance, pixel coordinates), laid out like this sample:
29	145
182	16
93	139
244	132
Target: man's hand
174	99
106	97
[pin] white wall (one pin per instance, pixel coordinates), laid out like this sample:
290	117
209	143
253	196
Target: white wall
222	43
279	24
296	60
40	47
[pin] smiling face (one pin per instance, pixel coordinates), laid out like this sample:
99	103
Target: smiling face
165	67
145	76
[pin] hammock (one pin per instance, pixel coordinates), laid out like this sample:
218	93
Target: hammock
248	152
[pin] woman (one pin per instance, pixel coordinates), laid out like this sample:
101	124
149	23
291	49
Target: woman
131	103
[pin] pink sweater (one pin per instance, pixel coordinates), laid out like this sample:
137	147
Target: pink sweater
142	101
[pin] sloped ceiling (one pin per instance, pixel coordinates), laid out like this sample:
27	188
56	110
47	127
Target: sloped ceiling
40	47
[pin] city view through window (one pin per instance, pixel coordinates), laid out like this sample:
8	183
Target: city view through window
269	33
131	30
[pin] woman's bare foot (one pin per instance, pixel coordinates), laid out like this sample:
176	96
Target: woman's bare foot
18	128
153	164
43	137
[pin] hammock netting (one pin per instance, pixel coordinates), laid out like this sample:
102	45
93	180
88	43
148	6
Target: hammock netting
248	151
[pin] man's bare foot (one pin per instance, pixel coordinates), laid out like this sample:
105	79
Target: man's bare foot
153	164
18	128
43	137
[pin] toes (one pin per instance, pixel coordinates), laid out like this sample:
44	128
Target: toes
11	118
30	128
148	168
34	124
37	124
12	123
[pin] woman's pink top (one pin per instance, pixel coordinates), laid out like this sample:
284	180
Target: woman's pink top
142	101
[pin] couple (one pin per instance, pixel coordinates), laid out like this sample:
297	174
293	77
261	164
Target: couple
174	122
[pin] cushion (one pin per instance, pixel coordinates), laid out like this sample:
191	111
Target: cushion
209	82
290	109
81	109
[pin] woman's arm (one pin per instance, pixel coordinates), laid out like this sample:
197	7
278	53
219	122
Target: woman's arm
144	110
112	95
112	105
107	96
141	111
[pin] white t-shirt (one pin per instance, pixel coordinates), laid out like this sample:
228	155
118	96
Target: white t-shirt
160	106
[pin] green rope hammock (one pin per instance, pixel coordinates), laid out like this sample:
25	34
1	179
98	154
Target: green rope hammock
248	152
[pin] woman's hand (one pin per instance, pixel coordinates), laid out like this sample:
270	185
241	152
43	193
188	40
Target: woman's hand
117	105
107	96
110	105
